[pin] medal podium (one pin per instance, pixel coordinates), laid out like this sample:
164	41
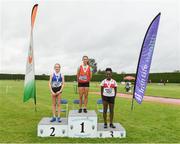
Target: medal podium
79	125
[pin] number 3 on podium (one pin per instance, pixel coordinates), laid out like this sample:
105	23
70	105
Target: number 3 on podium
111	133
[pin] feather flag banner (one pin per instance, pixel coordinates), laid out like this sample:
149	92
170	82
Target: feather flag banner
29	85
145	59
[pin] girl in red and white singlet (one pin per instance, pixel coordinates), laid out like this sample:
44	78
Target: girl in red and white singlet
84	75
108	94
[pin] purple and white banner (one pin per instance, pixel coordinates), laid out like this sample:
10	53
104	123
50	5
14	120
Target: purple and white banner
145	58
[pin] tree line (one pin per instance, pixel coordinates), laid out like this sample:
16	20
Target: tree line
173	77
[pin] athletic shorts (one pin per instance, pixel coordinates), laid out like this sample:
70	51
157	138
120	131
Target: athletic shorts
83	84
109	99
56	89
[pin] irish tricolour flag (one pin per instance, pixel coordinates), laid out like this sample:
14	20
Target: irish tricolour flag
29	85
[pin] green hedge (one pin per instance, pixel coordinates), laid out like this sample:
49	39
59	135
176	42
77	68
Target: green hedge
154	77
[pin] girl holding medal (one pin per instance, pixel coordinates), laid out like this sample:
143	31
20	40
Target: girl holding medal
56	85
108	94
84	75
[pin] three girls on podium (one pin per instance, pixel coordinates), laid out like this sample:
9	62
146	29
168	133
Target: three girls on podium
84	75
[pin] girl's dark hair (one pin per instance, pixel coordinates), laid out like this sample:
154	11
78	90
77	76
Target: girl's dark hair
86	57
108	69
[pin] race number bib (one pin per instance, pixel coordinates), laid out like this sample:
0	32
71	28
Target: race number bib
56	84
108	90
84	78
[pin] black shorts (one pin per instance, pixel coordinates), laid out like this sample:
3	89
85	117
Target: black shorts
56	89
83	84
109	99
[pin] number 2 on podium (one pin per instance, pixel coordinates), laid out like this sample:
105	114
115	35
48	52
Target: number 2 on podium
52	133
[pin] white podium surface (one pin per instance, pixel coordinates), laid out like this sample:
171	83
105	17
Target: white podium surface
52	129
102	132
82	124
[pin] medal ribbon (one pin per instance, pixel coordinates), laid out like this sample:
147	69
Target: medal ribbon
85	69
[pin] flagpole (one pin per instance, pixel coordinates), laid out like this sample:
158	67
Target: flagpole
33	15
35	108
132	104
35	93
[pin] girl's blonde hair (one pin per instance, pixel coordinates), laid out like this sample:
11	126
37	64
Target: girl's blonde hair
57	64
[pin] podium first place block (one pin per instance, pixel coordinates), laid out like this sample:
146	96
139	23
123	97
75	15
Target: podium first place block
52	129
82	124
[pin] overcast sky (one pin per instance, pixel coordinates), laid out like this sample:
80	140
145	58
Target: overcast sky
110	31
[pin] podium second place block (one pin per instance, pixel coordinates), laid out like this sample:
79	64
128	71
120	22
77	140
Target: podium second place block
52	129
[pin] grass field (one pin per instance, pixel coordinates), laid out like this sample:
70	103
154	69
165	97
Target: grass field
149	122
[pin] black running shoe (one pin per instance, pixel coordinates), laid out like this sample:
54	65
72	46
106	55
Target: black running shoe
105	125
53	119
112	126
85	110
80	110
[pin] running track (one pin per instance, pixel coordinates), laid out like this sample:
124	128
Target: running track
149	98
